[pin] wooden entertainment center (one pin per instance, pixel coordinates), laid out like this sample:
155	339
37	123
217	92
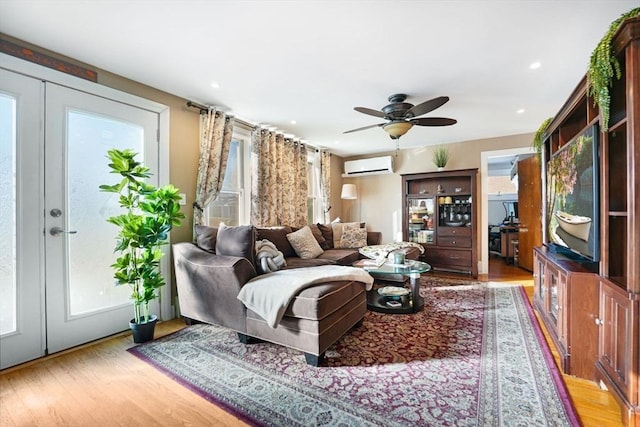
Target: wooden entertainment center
439	212
592	309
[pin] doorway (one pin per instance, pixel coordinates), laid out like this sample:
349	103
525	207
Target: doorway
56	283
485	160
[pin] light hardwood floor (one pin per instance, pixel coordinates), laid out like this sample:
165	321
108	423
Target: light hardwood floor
101	384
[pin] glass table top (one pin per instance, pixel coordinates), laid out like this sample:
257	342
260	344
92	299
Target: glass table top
409	267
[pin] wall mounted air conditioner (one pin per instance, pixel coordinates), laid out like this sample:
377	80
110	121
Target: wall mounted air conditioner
372	166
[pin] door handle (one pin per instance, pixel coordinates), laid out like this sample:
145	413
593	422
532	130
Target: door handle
57	230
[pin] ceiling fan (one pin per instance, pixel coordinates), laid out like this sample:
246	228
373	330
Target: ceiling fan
402	115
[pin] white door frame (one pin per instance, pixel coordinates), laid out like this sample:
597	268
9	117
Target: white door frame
483	268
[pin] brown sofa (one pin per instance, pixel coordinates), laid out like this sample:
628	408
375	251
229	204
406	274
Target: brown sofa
209	279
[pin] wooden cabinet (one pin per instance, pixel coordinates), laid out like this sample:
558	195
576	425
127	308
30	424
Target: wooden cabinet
439	211
618	361
566	296
530	209
618	353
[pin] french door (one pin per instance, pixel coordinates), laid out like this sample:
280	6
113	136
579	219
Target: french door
56	278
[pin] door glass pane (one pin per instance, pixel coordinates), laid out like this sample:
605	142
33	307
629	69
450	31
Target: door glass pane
89	137
421	219
7	213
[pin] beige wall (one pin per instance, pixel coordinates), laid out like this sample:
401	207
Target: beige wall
380	196
183	133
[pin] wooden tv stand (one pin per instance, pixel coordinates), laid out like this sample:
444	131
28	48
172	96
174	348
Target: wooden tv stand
566	296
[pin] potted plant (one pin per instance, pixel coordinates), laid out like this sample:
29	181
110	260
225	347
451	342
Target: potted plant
149	215
441	157
603	67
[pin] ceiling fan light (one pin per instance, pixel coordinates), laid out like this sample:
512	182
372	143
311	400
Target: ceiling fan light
396	129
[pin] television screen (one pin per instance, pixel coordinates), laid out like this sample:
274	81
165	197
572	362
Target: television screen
572	196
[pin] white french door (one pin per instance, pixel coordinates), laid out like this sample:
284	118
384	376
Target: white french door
82	302
56	284
21	246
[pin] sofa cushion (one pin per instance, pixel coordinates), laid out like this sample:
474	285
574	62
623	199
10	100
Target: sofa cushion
303	242
278	236
340	256
237	241
319	301
337	231
206	238
353	237
296	262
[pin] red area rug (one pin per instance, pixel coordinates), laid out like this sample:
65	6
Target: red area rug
474	357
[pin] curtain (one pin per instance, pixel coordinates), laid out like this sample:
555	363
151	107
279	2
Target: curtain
216	129
279	186
325	185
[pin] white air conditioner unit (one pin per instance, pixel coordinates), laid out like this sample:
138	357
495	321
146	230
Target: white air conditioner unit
372	166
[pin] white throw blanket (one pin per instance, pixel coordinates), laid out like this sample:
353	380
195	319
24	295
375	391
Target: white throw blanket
269	295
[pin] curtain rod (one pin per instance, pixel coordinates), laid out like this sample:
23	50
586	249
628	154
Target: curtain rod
204	109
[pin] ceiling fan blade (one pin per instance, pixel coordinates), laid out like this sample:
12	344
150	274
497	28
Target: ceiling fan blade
363	128
370	111
425	107
434	121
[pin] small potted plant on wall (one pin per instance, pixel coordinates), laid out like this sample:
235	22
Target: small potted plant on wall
441	157
149	215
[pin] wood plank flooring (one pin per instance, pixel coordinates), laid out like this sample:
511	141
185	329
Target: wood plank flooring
102	384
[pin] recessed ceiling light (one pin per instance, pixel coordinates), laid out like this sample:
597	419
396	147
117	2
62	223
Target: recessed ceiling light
535	65
215	85
293	122
520	111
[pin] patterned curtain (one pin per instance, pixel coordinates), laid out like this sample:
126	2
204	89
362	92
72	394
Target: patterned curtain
279	186
215	137
325	185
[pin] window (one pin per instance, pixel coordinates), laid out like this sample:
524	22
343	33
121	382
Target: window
314	199
231	205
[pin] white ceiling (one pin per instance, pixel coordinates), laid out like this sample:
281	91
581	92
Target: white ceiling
313	61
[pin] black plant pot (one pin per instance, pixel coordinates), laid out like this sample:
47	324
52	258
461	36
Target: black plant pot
143	332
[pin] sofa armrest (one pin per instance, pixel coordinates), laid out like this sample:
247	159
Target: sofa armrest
208	285
373	238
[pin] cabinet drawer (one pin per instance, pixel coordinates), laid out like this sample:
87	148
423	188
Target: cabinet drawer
446	258
456	242
454	231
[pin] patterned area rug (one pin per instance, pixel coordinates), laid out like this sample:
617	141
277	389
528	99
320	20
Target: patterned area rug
474	357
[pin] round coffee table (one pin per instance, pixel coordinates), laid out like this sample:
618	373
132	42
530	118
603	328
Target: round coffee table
411	303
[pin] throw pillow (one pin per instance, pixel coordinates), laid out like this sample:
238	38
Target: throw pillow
268	257
303	242
327	233
353	238
237	241
206	238
319	237
337	231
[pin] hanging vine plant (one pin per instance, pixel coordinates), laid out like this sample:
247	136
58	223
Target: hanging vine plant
603	66
538	138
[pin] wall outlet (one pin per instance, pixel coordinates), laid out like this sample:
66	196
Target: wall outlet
183	199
